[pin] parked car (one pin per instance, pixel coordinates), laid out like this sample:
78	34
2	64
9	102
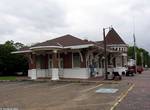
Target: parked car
140	69
130	71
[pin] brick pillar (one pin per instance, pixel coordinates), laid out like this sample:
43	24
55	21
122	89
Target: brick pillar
55	75
32	67
55	60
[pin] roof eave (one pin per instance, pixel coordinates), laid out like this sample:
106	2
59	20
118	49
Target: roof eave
79	46
46	47
23	51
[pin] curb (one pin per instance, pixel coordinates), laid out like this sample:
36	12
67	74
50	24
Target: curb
69	81
13	80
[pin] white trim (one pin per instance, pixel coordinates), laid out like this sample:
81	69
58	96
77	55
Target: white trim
55	74
79	46
124	54
118	45
61	47
59	44
54	47
32	73
41	47
81	73
24	51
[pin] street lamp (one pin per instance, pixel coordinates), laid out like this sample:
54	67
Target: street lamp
105	52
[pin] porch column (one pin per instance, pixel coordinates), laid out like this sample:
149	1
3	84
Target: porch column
32	67
55	75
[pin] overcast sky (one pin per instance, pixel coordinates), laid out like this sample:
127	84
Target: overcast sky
31	21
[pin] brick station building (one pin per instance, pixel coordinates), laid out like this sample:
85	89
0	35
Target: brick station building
69	57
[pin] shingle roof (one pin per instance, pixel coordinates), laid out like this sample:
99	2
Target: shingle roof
113	38
66	40
63	41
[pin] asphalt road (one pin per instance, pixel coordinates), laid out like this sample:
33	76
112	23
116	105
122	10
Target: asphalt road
139	97
30	95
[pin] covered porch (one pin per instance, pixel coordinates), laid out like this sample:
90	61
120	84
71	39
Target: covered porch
65	63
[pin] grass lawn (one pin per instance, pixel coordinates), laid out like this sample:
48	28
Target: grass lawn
8	78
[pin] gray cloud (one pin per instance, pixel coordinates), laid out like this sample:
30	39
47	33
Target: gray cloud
31	21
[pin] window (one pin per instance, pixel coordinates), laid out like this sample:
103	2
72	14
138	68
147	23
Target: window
39	62
76	60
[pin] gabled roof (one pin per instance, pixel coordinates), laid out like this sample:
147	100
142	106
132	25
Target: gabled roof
66	40
113	37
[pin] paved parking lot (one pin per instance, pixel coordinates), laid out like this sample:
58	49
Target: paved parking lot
31	95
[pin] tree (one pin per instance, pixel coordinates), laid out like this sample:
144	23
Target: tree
18	45
139	51
11	63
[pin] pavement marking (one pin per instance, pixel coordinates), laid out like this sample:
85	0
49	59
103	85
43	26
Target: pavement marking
121	97
86	90
62	86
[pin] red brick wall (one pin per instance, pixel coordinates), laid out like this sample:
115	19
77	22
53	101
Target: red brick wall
67	61
44	61
44	65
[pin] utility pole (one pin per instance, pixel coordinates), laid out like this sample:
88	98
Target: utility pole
135	53
105	53
135	58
